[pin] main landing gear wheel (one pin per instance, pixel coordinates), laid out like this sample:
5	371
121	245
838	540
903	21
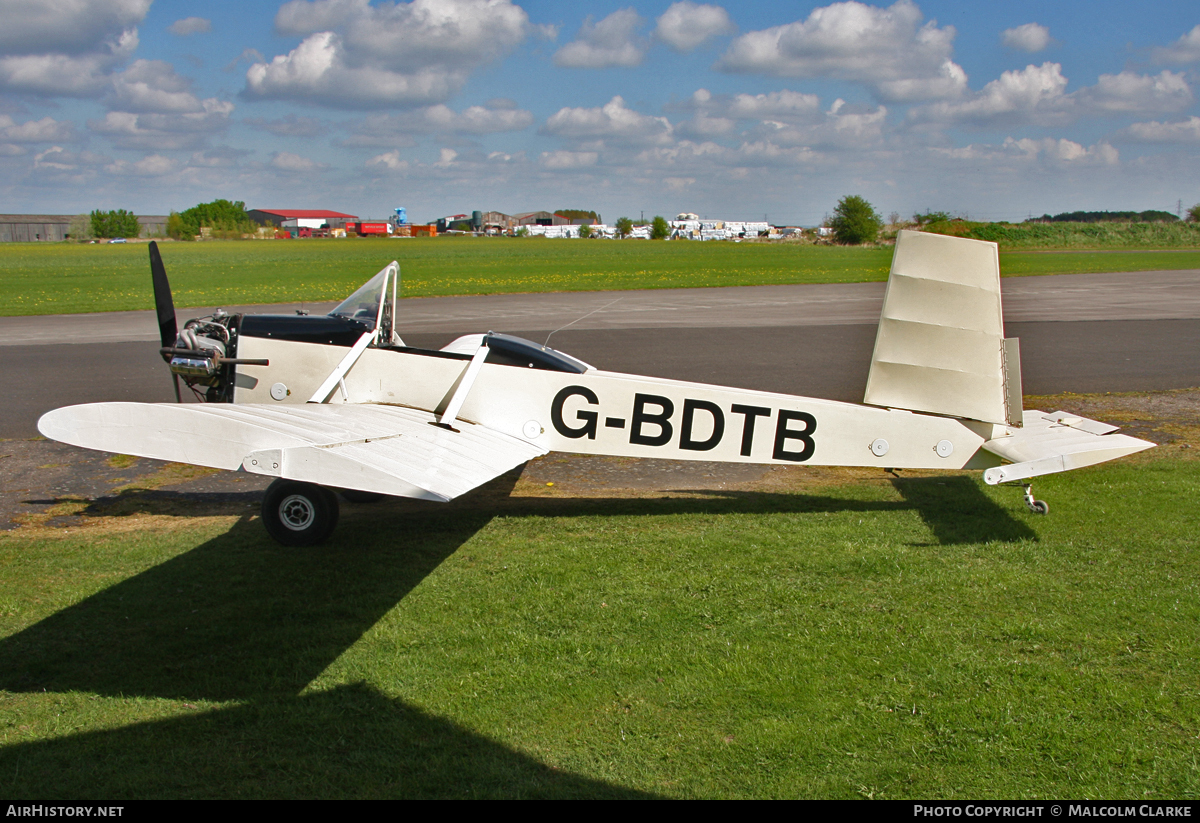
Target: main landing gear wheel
299	514
1035	506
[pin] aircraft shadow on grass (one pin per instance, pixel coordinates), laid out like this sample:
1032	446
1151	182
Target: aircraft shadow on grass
221	623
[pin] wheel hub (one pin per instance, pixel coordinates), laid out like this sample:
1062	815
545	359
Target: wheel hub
297	512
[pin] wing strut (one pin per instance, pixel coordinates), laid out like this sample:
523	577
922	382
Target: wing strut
464	385
335	377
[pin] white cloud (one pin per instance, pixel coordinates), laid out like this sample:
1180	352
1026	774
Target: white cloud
1014	92
447	157
767	153
569	159
612	121
1131	92
56	165
190	130
398	129
1062	151
776	104
221	157
390	161
842	129
251	56
66	47
1184	50
888	49
611	42
55	157
355	55
686	26
1030	37
717	115
190	25
46	130
289	126
1046	152
315	72
1185	131
71	75
286	161
473	120
152	86
66	27
1037	95
703	125
154	165
686	155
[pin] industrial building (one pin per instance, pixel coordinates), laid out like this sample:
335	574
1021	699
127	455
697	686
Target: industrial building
33	228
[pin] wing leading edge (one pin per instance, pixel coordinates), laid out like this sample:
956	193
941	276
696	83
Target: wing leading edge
386	449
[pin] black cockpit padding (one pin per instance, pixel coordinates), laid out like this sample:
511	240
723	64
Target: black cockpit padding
328	329
507	350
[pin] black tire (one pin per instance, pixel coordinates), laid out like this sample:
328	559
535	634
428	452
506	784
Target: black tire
357	496
1040	507
299	514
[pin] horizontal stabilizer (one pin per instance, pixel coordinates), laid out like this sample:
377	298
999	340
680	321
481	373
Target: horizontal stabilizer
1056	442
386	449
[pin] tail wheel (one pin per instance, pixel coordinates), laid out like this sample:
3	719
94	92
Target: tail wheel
299	514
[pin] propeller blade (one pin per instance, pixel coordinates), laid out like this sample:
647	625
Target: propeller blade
167	327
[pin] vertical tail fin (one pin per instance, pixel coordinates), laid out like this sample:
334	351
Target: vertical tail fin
940	346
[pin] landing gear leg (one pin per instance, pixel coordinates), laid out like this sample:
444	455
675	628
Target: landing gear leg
1035	506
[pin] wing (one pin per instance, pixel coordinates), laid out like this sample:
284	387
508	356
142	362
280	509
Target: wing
1056	442
386	449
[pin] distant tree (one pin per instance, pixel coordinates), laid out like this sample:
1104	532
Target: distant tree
119	223
659	229
1151	216
855	221
624	226
80	229
931	217
894	218
1193	214
521	232
176	228
221	216
585	231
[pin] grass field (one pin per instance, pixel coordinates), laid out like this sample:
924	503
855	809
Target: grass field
66	278
836	634
1107	235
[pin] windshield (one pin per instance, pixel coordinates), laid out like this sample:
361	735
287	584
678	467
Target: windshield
363	305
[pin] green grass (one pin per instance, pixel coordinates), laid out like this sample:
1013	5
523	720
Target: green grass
66	278
921	638
1113	235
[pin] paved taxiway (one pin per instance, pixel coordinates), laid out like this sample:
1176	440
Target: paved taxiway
1081	332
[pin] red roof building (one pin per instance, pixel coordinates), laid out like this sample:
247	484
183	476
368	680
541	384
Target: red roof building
300	218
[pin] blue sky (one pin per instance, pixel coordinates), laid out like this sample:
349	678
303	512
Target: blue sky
994	111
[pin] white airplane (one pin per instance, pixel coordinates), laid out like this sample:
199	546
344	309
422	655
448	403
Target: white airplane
338	401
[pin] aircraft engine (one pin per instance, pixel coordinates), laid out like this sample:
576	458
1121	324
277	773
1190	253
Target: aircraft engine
200	353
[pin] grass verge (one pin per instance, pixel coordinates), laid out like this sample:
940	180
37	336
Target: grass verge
65	278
